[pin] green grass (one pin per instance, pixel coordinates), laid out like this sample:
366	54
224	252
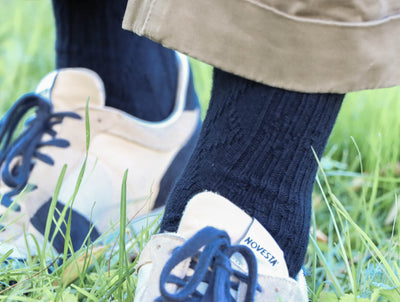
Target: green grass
356	189
26	47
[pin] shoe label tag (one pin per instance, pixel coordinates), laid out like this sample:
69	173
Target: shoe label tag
269	256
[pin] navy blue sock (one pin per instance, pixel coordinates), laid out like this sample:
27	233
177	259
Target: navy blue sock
255	150
140	76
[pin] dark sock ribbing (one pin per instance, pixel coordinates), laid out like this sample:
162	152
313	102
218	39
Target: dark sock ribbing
255	150
139	75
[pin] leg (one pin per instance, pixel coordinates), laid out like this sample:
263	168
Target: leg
154	92
139	75
255	149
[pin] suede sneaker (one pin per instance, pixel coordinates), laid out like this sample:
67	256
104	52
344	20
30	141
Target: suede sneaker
154	153
219	253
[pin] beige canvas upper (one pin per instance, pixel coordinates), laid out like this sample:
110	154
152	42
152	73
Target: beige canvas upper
302	45
275	284
118	142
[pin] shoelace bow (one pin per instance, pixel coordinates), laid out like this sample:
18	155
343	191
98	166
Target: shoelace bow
213	267
16	156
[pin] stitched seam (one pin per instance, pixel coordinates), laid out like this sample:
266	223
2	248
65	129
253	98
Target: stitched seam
148	15
324	22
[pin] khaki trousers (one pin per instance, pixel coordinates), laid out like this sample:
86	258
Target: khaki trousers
302	45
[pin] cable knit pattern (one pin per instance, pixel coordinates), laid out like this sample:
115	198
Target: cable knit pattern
255	150
139	75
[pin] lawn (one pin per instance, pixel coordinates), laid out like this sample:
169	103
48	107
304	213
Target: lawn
354	247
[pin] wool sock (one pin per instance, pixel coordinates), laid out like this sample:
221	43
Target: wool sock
140	76
255	148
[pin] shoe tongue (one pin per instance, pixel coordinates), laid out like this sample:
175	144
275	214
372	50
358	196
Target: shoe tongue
210	209
70	88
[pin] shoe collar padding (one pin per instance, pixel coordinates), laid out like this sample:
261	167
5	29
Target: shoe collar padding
66	88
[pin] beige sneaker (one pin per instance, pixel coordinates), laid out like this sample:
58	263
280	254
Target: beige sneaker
153	152
241	263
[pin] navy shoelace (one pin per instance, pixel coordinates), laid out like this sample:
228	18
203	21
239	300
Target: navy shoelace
212	266
17	155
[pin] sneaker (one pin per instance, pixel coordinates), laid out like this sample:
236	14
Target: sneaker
217	255
154	153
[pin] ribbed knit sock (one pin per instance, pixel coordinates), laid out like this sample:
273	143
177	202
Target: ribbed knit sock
255	149
140	76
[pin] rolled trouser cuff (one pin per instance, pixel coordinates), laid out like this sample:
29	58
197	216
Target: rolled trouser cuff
258	42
